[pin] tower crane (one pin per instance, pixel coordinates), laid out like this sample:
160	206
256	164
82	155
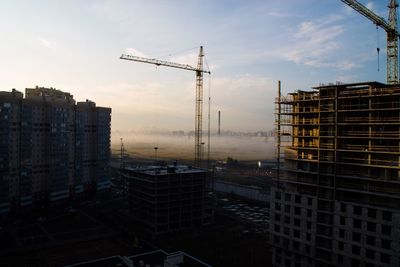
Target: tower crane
199	93
390	26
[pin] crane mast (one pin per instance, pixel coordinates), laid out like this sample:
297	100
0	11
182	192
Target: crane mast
392	67
199	109
199	93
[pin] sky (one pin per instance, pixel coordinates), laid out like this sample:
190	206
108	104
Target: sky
75	46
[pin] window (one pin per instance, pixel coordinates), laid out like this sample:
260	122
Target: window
297	222
356	237
341	246
297	199
276	239
277	228
277	217
287	219
277	206
372	213
370	240
370	254
385	258
278	195
343	207
386	229
385	243
296	245
286	243
342	220
341	233
308	225
357	210
308	237
309	201
278	259
340	258
296	233
309	213
287	208
357	223
371	227
286	231
355	263
297	210
387	215
356	250
287	197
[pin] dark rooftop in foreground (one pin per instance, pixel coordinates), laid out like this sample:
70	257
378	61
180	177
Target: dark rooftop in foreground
157	258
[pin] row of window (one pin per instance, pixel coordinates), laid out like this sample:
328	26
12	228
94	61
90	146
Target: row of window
370	212
297	198
371	226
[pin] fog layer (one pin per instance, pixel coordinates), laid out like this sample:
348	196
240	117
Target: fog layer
182	147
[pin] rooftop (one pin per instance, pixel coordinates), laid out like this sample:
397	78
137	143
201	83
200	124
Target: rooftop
166	170
157	258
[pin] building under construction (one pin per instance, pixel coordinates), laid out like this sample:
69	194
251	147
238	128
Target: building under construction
169	198
337	194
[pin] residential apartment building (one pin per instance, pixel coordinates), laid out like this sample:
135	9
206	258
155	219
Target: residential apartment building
43	141
170	198
336	201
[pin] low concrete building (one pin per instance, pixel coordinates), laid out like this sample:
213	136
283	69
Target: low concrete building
170	198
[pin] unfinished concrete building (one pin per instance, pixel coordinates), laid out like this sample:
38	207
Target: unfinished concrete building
170	198
336	201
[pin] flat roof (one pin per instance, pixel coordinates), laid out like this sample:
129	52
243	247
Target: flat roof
113	261
166	170
373	83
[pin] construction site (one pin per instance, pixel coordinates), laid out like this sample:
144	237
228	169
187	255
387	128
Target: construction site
336	199
338	183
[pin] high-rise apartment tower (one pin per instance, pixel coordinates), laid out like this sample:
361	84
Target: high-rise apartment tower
50	148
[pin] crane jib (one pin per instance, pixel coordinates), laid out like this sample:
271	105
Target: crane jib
158	62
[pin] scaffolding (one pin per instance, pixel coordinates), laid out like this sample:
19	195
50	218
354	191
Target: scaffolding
341	136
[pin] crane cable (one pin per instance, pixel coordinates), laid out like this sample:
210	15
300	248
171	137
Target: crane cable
209	114
169	55
377	44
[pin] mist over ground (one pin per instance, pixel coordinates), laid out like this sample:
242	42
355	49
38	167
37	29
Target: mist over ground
182	147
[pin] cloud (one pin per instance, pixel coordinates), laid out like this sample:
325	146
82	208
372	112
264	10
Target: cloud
188	58
370	5
244	99
280	14
134	52
46	43
315	43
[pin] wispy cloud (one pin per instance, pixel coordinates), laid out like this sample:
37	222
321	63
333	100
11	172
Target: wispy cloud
134	52
46	43
315	43
281	14
370	5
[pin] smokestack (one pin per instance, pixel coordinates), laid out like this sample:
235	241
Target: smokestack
219	122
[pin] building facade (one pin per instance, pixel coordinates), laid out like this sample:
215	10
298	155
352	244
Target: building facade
336	201
43	142
171	198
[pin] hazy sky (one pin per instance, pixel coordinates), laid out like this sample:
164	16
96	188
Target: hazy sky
249	45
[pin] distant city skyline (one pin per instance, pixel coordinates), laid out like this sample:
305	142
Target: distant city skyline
75	46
